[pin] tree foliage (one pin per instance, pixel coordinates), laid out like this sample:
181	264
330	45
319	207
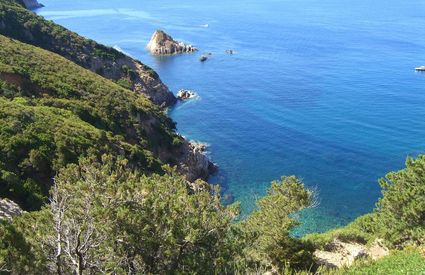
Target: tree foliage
105	217
267	230
401	210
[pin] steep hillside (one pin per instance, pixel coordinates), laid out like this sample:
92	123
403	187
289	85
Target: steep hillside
21	24
53	111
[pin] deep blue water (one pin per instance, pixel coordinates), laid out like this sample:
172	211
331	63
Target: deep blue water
322	89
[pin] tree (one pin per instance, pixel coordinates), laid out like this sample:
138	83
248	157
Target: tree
401	210
266	232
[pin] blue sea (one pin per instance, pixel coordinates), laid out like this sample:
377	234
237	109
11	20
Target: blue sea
322	89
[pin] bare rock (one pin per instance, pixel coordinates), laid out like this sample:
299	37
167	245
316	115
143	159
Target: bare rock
185	94
144	80
194	164
339	253
163	44
9	209
378	250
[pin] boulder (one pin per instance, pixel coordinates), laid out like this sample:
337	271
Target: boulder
9	209
163	44
185	94
203	58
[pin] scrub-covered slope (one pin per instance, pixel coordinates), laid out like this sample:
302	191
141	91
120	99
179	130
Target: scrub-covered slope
21	24
53	111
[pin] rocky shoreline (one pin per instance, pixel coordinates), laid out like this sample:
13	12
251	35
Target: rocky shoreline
195	164
189	157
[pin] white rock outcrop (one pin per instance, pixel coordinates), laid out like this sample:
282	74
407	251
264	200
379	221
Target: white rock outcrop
163	44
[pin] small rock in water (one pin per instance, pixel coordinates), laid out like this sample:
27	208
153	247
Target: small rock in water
163	44
185	94
203	58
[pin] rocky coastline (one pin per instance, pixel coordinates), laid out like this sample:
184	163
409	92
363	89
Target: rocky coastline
143	80
189	157
194	163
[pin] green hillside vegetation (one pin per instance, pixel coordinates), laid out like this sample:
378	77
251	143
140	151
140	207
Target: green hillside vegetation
26	26
410	261
106	218
53	111
81	154
21	24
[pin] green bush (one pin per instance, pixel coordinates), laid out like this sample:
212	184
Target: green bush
399	216
266	232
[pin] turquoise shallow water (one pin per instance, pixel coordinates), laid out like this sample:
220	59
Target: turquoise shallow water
322	89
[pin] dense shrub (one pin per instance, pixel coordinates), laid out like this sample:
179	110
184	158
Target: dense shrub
106	217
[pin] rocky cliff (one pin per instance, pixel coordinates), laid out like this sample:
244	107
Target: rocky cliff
194	164
32	4
163	44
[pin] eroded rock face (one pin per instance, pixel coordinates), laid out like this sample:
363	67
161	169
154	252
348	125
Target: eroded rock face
163	44
143	80
9	209
194	164
32	4
339	253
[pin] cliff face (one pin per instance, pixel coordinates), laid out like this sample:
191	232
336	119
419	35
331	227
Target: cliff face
163	44
140	77
194	164
32	4
27	27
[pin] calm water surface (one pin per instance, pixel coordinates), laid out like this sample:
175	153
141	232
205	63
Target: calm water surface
321	89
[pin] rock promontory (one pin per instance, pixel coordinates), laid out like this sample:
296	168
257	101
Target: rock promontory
163	44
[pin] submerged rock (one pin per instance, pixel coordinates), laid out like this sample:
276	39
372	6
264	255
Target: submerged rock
203	58
185	94
163	44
